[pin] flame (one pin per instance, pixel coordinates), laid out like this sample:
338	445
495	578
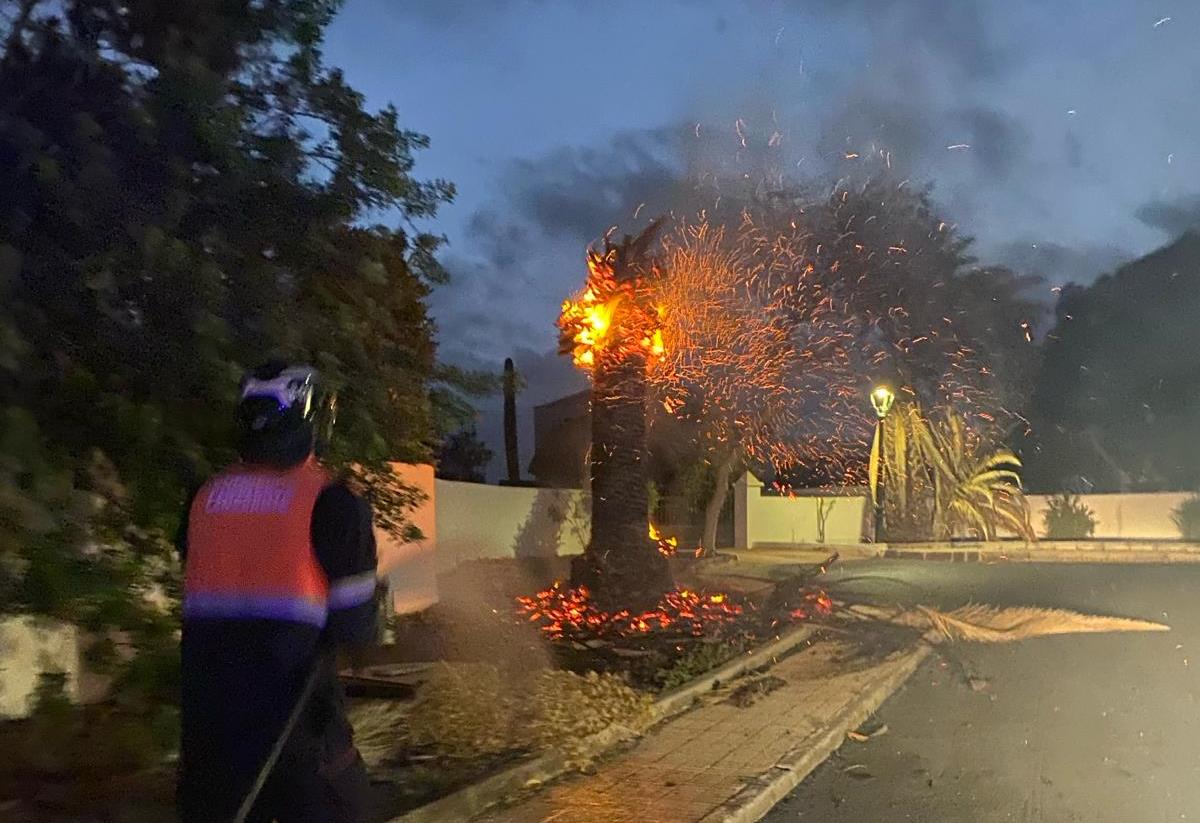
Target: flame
590	324
657	347
667	546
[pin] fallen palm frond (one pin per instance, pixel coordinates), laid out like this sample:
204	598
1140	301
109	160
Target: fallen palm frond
991	624
468	710
378	725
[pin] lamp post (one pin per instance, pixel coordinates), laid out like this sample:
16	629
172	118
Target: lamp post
882	399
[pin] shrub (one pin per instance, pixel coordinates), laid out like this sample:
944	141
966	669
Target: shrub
1187	518
1067	518
699	659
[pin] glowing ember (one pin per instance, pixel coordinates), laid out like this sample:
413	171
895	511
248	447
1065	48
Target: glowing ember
755	351
570	613
817	604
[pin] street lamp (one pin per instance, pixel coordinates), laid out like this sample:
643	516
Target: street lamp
882	399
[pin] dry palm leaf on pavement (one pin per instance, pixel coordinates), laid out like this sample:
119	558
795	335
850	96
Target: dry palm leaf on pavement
992	624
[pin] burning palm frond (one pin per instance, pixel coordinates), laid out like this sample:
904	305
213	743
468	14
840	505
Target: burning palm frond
991	624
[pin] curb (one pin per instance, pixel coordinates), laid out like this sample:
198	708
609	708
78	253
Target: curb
476	797
765	791
1046	556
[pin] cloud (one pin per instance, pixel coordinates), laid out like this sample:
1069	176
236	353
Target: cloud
958	33
1172	217
928	82
577	193
500	241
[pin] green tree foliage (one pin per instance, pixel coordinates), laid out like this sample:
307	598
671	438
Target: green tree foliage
188	190
1118	398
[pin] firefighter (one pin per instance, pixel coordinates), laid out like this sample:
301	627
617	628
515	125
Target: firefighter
279	572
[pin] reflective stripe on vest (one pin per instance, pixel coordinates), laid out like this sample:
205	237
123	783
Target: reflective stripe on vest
249	547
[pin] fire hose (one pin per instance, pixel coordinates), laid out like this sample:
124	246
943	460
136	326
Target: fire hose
276	750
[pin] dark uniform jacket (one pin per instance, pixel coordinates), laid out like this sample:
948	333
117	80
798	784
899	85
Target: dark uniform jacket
280	567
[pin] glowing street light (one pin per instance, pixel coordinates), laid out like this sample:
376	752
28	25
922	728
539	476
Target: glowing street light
882	399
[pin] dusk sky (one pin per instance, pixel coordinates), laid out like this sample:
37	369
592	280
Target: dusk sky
1062	135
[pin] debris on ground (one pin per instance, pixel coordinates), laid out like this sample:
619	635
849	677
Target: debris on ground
863	735
858	771
750	693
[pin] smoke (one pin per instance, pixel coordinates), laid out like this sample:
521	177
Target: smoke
574	194
1172	217
1058	264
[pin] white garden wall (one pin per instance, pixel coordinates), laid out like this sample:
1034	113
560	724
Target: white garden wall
771	520
806	518
1131	516
476	522
473	521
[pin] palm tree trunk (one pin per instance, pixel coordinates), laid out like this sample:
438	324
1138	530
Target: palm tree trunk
621	566
511	455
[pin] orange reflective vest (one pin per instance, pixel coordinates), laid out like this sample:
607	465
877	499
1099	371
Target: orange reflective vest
249	547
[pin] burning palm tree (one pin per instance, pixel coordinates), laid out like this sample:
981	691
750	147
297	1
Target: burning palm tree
612	331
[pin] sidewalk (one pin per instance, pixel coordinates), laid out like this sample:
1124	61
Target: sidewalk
723	761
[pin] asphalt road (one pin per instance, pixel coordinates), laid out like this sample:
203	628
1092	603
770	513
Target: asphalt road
1075	728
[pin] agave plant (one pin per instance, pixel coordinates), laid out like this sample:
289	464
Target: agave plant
941	474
